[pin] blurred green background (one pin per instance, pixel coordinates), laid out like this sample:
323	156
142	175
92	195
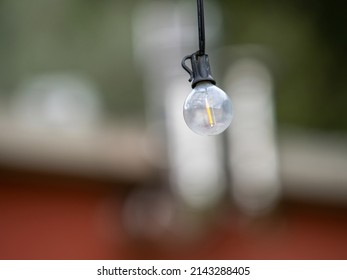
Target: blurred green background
308	39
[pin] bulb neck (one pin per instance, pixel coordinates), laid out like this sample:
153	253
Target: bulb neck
201	70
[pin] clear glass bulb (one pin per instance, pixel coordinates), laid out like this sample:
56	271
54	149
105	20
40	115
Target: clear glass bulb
207	109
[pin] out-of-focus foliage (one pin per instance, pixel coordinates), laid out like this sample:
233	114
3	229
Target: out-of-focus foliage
308	39
92	38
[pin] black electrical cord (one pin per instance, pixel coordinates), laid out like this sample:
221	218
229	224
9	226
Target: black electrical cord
201	25
200	66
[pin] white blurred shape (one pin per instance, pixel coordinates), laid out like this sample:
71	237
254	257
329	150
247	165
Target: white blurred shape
57	102
164	32
196	169
253	157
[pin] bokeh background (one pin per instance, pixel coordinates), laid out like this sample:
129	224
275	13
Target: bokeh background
97	163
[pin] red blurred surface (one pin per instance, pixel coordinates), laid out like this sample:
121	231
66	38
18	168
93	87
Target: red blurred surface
57	217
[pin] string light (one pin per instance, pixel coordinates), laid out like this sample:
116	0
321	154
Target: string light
207	110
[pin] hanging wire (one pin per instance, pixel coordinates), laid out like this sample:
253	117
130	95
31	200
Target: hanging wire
201	25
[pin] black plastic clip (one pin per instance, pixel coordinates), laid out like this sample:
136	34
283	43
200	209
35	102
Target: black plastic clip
200	71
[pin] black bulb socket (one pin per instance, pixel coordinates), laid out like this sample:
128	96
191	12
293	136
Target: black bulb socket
200	71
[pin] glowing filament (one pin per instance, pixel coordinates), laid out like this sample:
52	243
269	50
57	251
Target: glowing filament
210	114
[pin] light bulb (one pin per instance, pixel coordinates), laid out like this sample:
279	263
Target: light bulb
207	109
